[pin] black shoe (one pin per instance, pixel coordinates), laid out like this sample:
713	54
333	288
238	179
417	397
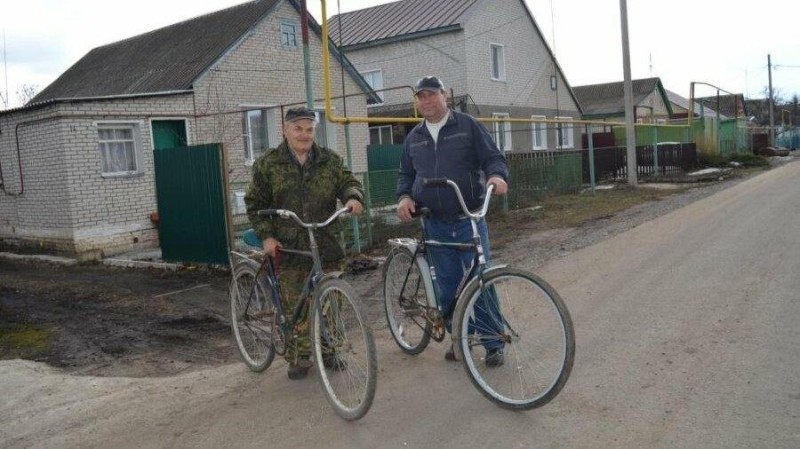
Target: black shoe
495	357
299	369
450	354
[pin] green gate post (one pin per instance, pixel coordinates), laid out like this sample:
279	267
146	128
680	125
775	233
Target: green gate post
591	158
368	206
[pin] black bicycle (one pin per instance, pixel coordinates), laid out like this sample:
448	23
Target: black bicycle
497	307
343	348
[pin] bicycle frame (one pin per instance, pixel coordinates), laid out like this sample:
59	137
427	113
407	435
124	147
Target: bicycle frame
314	277
477	267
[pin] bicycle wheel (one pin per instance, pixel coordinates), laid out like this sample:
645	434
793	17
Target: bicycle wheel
252	317
344	350
520	313
405	310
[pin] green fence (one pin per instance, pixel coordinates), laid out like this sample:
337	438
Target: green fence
191	204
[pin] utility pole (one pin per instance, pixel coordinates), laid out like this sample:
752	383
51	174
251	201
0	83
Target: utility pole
630	133
5	73
771	104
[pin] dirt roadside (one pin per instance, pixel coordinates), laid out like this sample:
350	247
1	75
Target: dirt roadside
104	321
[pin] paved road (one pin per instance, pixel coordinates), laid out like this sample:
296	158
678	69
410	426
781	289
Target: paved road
687	336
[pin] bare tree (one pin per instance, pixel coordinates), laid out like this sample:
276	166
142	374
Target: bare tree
26	92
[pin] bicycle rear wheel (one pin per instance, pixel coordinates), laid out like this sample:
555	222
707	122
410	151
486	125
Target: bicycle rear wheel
524	316
406	305
344	350
252	317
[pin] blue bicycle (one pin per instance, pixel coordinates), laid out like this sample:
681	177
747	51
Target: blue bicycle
497	307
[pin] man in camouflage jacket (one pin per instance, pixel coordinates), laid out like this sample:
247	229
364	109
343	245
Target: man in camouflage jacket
307	179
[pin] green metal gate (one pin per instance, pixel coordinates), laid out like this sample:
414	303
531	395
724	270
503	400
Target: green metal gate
191	204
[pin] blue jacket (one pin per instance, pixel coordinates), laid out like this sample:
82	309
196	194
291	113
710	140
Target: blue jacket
465	152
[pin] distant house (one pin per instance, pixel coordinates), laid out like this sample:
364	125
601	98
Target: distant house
491	56
680	106
76	163
606	102
727	105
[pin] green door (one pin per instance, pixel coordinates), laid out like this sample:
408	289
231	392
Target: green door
169	134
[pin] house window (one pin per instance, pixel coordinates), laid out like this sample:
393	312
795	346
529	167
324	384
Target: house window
258	132
289	33
380	135
502	132
566	134
119	148
498	62
375	80
539	136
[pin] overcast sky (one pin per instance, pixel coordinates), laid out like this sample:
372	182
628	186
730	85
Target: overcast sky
722	42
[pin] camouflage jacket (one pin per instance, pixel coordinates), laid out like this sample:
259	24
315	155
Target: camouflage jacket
310	191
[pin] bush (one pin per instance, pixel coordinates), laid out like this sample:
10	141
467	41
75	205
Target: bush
718	160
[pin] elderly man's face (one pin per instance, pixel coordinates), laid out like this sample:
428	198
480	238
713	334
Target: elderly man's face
432	105
299	134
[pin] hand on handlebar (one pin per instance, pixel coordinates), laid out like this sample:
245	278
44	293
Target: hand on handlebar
405	209
270	245
354	206
500	186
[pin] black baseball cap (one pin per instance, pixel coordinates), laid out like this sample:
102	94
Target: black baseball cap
430	83
299	113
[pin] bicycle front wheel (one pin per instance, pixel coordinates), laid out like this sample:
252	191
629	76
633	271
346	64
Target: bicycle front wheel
252	317
344	350
527	337
406	302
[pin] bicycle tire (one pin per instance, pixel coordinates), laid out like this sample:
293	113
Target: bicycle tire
344	349
253	330
408	326
535	328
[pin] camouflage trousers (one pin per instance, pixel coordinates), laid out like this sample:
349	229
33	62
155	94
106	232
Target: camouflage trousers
291	278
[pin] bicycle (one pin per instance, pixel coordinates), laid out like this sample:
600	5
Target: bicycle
343	347
500	305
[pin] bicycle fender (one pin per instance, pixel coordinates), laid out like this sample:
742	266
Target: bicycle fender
471	284
427	281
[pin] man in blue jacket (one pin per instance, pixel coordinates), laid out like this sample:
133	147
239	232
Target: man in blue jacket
453	145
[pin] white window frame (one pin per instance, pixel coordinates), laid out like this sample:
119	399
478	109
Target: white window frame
566	133
502	129
368	77
498	67
288	29
273	138
136	158
380	129
538	133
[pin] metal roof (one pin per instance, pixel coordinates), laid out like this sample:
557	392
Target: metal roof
392	20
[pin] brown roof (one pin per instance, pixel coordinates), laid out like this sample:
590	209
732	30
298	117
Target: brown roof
406	18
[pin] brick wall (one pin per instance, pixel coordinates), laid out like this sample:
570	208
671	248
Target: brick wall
69	206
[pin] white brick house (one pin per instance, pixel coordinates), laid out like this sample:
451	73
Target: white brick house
76	163
491	56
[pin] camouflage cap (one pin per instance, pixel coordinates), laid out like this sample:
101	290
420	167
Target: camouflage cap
300	113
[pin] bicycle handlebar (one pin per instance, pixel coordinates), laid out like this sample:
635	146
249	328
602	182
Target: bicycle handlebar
427	182
286	214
